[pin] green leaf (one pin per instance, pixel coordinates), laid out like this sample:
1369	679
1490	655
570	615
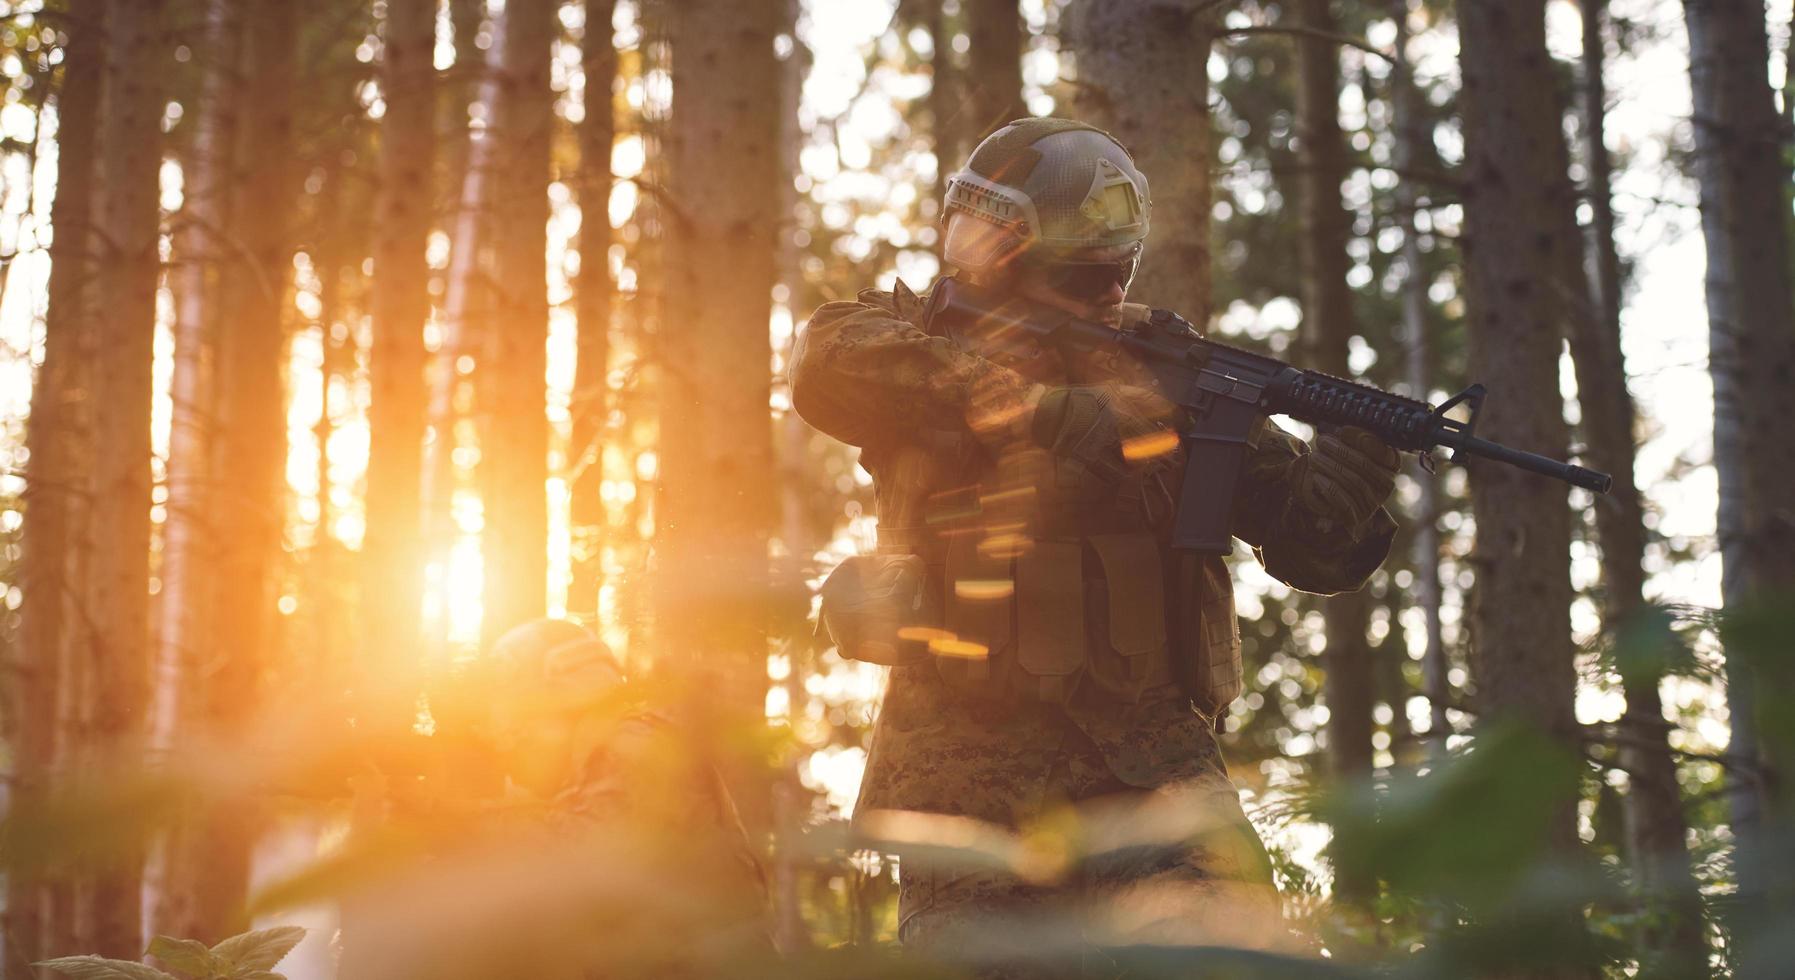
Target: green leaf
101	968
188	956
258	950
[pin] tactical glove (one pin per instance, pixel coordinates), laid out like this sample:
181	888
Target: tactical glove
1345	477
1084	429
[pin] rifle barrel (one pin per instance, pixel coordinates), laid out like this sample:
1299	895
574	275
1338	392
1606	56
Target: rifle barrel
1571	473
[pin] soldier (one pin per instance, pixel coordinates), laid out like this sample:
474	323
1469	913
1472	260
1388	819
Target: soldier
600	842
1066	655
571	734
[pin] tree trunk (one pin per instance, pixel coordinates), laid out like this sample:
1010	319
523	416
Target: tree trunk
203	254
336	359
590	404
38	923
716	504
790	800
1743	174
462	92
514	396
392	551
1656	829
994	65
251	444
948	112
117	596
467	309
1517	192
1410	134
1328	324
1143	77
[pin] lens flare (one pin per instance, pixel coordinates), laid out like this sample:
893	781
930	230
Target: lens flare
1150	445
984	590
961	649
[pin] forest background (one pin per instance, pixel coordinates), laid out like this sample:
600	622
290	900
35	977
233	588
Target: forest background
325	324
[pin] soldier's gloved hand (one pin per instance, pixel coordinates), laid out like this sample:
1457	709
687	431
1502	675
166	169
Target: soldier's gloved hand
1345	477
1078	427
1084	428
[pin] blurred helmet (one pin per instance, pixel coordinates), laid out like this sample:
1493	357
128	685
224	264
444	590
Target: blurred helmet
1042	183
555	654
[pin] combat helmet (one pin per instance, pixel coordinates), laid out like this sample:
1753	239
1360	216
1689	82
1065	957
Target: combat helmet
553	655
1042	183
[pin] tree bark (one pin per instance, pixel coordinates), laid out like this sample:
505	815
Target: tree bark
514	396
1653	805
947	108
789	798
593	292
1143	76
1517	192
462	92
251	444
716	501
117	586
204	257
1743	175
1328	324
468	306
1406	117
994	65
392	550
38	918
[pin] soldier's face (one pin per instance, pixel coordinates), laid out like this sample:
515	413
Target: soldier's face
1089	283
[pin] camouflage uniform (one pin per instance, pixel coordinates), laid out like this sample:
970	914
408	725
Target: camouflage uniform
632	862
939	429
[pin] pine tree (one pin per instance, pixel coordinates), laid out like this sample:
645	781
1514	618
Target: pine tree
1517	194
251	444
514	394
1140	81
392	553
716	503
1744	176
1656	828
1328	324
593	292
39	914
117	577
994	65
204	254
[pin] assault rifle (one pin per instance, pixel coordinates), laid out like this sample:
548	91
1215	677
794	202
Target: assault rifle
1224	391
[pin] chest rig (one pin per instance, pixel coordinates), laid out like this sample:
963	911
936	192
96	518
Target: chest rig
968	577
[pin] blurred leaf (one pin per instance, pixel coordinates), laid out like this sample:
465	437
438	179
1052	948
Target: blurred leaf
372	858
101	968
188	956
90	822
1649	645
259	950
1472	828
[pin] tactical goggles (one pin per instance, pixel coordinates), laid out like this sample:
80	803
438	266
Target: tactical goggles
1086	280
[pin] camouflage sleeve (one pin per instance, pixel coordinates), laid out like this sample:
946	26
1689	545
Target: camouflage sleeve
1303	551
866	377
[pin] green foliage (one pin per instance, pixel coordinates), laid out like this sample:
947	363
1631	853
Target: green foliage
101	968
247	956
256	951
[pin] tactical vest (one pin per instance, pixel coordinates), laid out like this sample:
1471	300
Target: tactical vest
1003	612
